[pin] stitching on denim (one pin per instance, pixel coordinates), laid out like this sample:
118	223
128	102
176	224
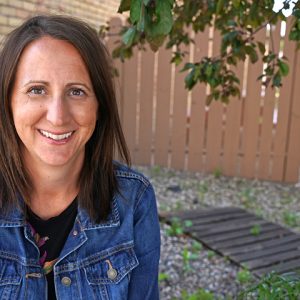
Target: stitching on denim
127	174
68	267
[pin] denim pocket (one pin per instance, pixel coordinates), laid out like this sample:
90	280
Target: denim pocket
10	278
109	275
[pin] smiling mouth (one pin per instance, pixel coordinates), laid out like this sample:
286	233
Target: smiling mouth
56	137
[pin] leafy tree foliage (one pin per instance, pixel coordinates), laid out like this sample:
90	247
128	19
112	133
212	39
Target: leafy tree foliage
168	23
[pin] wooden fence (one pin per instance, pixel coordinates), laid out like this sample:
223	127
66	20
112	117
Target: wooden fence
257	136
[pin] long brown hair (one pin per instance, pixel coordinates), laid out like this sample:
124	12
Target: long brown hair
97	182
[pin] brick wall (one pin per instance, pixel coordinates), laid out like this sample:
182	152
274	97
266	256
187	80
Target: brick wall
95	12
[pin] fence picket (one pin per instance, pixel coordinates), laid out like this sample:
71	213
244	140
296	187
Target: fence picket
266	137
197	118
214	125
284	106
230	161
162	121
179	117
293	158
251	117
143	155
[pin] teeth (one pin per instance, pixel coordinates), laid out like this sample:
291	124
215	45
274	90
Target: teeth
56	137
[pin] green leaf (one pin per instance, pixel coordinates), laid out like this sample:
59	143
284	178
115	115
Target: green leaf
162	23
155	41
236	3
284	68
146	2
276	80
135	10
220	6
124	6
128	36
261	48
252	53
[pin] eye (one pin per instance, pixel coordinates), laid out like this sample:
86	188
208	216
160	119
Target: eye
77	92
36	90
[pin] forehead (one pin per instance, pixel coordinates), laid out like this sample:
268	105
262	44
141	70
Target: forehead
50	55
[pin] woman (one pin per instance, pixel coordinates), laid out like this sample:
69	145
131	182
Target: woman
74	224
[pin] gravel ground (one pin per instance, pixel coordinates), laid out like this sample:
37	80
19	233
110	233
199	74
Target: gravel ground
186	265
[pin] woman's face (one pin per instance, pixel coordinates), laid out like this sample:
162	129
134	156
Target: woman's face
53	104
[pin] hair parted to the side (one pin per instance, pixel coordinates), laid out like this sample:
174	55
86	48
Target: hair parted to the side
97	182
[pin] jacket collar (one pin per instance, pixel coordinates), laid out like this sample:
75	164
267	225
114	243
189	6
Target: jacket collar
15	218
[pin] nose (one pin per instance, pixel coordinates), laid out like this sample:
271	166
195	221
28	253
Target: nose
58	112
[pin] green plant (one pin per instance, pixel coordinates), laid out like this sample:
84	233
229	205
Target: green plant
177	226
211	254
244	277
200	294
291	219
155	170
273	287
217	172
163	277
255	230
248	197
196	246
187	256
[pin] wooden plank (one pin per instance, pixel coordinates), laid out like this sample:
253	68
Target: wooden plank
214	125
114	28
228	229
198	99
232	130
162	121
280	268
266	137
179	118
251	117
130	102
268	251
224	224
272	259
220	218
285	99
199	213
244	236
293	153
273	240
143	155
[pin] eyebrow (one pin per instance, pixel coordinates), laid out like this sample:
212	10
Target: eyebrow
47	83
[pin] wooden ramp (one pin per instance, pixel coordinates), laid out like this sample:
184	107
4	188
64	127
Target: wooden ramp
246	239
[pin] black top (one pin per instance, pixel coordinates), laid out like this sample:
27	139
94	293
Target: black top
50	236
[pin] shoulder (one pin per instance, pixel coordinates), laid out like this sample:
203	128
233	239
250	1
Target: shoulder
133	185
124	172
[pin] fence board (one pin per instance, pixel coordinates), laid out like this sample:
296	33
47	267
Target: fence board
293	158
282	126
214	125
179	118
143	155
251	117
198	98
130	96
232	130
266	138
162	129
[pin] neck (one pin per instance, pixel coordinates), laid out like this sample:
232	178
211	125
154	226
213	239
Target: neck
54	188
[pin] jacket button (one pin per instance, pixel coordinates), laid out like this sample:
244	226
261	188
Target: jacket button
66	281
112	273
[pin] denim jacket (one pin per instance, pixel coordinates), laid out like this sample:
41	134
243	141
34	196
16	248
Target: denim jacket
114	260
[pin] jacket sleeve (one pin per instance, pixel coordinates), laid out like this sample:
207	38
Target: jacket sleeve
144	278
